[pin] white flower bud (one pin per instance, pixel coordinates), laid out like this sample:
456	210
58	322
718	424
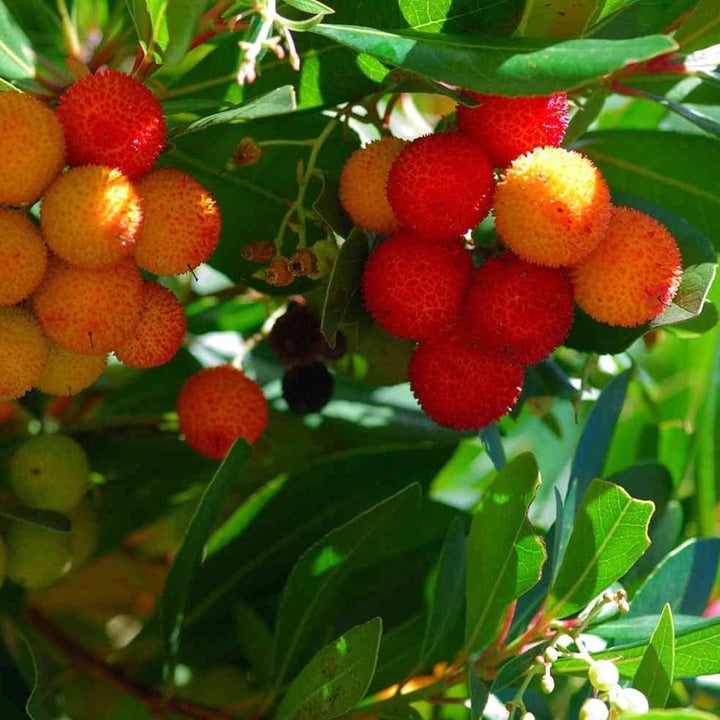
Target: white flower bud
629	700
527	716
603	675
551	654
623	606
547	684
594	709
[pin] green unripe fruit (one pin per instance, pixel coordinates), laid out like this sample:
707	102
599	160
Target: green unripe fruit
51	472
37	557
83	533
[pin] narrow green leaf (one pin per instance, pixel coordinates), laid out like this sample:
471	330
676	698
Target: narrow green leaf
505	556
628	629
654	675
701	28
674	714
189	557
310	6
308	597
336	678
492	442
639	17
449	595
36	516
17	59
343	289
182	20
609	535
556	18
478	694
157	10
256	642
511	66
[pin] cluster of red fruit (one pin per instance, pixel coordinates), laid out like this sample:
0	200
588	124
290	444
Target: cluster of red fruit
482	315
71	290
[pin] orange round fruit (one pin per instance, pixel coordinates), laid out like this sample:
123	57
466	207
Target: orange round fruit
32	148
363	185
68	373
23	257
23	352
181	226
90	216
552	207
216	406
633	275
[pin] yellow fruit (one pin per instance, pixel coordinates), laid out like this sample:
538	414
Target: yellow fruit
633	275
90	216
552	206
37	556
32	148
23	352
89	311
68	373
23	257
181	226
363	185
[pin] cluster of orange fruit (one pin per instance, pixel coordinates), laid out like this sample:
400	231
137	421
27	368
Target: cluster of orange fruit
71	288
482	315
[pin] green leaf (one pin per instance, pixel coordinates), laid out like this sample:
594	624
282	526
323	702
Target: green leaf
505	556
704	122
256	642
640	17
683	580
556	18
701	28
336	678
449	595
182	19
609	535
654	675
317	576
478	694
492	444
182	572
511	66
674	714
629	629
17	59
343	292
37	516
310	6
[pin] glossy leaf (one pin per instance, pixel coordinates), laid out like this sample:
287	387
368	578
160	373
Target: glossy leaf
505	556
640	17
701	28
478	695
556	18
629	629
654	675
512	66
181	19
16	51
336	678
609	535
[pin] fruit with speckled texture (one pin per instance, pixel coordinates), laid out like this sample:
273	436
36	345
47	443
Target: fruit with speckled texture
181	225
37	556
32	148
23	256
508	127
633	274
89	311
158	333
218	405
552	207
23	352
414	287
516	310
441	185
110	118
50	472
90	216
363	185
459	387
68	373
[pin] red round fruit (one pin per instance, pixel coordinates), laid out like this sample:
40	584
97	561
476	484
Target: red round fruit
441	186
112	119
459	387
516	310
414	287
508	127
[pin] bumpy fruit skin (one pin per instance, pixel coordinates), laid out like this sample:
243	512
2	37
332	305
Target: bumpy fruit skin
633	275
37	556
414	287
518	311
90	312
441	185
363	185
23	257
23	352
50	472
508	127
158	333
307	389
552	207
32	148
110	118
90	216
68	373
181	226
218	405
459	387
